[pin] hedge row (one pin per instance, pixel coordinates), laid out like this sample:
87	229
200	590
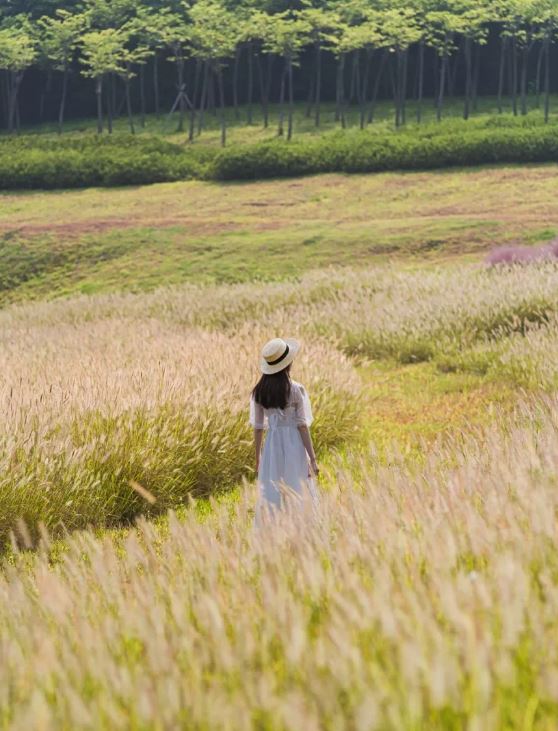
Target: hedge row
362	154
37	163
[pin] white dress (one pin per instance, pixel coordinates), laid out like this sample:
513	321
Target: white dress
284	466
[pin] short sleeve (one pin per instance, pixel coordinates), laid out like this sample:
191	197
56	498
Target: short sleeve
303	409
257	416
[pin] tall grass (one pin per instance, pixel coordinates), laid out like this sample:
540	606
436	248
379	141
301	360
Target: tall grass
424	600
90	408
100	394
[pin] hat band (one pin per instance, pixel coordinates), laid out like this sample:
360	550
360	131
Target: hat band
285	354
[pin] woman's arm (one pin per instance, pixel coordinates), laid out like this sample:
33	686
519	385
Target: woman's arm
258	439
307	441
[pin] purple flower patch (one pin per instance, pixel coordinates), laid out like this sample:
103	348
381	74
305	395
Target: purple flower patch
508	255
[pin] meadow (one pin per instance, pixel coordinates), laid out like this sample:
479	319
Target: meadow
424	594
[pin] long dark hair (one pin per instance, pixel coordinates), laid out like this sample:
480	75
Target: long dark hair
273	391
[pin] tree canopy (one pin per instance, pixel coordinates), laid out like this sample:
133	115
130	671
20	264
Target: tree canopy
199	53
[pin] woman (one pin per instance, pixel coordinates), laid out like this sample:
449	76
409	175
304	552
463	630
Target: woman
287	464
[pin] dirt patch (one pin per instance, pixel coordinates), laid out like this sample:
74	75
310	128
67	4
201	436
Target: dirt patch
76	229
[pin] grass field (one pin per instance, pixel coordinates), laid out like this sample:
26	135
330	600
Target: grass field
424	597
105	240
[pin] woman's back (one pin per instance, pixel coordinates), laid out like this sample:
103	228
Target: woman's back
298	411
280	405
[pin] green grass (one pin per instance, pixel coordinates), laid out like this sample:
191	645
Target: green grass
239	132
97	240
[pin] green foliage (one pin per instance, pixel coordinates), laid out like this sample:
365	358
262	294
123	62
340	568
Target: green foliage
90	161
363	152
35	162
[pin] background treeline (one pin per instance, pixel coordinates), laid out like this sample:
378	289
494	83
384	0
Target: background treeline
133	57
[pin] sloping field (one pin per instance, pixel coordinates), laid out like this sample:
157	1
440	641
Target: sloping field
425	594
102	240
423	597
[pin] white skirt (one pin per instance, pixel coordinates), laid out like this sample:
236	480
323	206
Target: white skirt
283	478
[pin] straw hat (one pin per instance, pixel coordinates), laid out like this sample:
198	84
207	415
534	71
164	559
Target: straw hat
277	354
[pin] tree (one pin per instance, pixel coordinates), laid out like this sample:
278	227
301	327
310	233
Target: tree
174	32
441	26
17	53
103	53
286	34
322	24
472	22
545	16
58	42
400	31
214	33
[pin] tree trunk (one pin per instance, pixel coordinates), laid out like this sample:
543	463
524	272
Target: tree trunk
222	107
403	114
62	107
291	101
211	107
236	65
354	77
250	90
181	92
203	100
280	129
4	96
318	90
142	93
523	86
99	93
397	87
451	73
156	83
129	104
436	75
44	94
110	102
514	76
420	90
265	87
363	90
340	93
440	98
194	100
468	78
12	101
476	72
501	72
538	76
376	89
310	98
547	78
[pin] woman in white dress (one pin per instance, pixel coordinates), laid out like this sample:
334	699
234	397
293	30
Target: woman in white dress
286	467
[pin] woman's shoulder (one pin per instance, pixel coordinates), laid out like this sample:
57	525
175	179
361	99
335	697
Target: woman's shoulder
297	387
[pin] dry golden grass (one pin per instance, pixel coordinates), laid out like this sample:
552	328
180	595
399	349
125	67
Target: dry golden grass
415	601
424	596
98	393
91	407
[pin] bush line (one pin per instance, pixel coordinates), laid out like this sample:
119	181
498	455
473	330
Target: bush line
38	163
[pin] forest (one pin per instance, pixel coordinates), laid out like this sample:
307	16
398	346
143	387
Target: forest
110	58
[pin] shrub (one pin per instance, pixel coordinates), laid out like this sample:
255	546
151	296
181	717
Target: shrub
89	161
86	160
365	152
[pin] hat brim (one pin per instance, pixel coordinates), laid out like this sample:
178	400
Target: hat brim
269	370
